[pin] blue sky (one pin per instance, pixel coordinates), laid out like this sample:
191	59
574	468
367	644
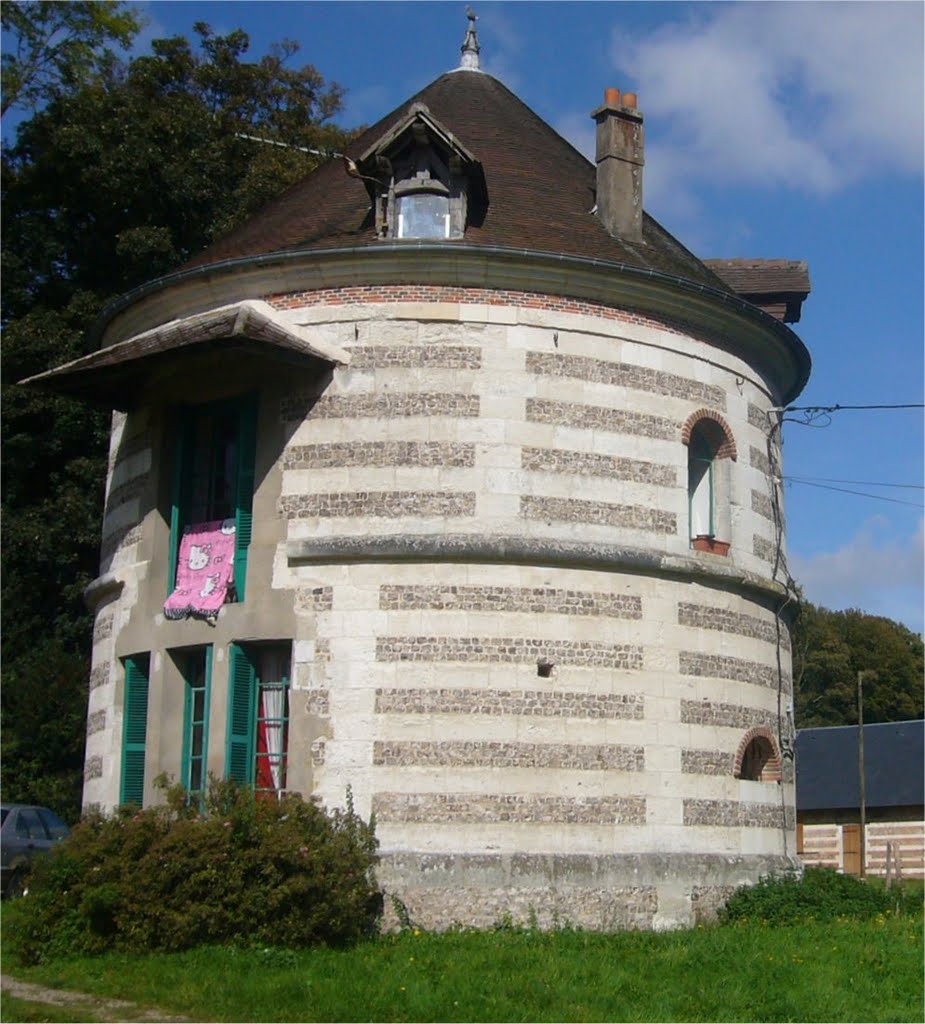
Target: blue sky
790	130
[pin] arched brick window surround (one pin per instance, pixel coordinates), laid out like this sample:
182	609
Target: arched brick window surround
760	737
726	450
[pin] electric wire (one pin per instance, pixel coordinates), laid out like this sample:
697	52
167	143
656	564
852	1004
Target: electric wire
786	727
861	494
811	413
858	483
842	408
786	732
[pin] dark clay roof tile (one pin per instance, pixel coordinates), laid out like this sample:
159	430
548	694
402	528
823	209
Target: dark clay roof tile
540	191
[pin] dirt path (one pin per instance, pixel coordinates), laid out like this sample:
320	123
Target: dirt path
102	1009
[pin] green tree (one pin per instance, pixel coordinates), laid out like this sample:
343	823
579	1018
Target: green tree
132	174
58	45
830	648
124	174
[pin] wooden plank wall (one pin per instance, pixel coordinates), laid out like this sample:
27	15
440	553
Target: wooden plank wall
829	846
821	846
908	839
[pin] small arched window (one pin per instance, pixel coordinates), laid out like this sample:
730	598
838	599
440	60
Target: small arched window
756	756
710	449
701	483
757	759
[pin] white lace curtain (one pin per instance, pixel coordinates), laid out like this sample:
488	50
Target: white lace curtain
274	674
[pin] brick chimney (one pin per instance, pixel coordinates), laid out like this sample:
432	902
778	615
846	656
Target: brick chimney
620	156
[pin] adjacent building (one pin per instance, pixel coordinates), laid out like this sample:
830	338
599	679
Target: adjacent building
829	767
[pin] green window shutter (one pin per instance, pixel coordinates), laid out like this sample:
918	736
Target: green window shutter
134	729
205	749
187	720
196	720
180	502
242	716
205	732
244	490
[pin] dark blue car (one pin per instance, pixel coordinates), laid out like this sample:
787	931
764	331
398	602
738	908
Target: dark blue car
24	832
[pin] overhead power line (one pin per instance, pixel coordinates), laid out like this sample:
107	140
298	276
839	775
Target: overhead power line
328	153
859	483
811	413
841	408
350	166
861	494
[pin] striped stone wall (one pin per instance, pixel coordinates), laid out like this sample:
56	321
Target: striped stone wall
506	720
548	417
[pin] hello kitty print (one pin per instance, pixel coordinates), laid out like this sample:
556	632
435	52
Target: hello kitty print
205	570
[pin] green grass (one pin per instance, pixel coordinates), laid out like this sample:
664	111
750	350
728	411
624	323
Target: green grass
23	1010
841	971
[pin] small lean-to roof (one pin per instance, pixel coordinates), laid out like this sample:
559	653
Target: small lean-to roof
115	375
827	766
763	277
779	287
540	189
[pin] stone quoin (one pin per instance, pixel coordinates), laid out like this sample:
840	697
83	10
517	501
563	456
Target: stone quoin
499	461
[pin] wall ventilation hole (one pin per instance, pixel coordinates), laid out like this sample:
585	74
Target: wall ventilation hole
544	669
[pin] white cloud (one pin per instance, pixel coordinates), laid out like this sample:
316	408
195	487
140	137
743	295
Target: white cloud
503	56
579	130
811	96
876	572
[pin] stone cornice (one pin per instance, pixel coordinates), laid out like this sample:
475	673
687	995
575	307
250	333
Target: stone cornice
710	569
729	321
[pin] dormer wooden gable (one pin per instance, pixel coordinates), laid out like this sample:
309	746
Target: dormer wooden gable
424	183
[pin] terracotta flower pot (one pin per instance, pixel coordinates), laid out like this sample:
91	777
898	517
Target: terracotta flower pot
707	543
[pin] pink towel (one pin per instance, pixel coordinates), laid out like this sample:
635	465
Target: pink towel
205	570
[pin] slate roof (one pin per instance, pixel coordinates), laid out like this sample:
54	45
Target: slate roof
777	286
763	277
540	191
827	766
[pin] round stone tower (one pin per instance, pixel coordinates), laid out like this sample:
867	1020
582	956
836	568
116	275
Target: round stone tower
500	462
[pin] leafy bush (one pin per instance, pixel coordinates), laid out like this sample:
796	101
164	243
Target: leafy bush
249	871
820	894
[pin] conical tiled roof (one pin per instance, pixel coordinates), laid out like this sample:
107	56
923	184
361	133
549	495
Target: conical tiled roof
534	196
541	191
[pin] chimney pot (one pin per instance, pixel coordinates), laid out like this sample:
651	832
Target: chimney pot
612	97
629	100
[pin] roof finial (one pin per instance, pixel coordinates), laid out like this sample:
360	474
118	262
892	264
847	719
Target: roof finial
470	47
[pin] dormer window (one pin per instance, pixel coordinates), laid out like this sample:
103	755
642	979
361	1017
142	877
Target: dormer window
423	207
423	182
423	215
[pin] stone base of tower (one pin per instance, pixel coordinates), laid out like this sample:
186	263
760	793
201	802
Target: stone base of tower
601	893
